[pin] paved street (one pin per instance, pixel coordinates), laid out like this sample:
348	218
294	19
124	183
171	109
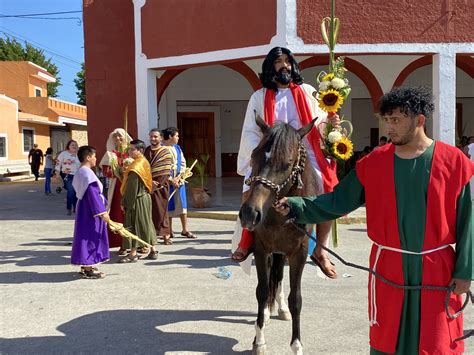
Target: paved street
174	305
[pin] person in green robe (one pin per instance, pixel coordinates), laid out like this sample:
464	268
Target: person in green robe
417	198
136	203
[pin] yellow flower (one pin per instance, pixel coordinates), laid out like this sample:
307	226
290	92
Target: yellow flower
343	149
330	100
328	77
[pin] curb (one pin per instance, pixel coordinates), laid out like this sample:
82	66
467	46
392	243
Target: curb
232	216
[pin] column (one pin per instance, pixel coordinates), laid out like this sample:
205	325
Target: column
444	91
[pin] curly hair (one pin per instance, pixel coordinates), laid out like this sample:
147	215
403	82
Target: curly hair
409	100
267	76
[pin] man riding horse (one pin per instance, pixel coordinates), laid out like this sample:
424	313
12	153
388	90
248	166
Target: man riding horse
284	98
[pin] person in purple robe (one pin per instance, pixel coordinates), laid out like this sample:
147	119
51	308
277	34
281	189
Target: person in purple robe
91	244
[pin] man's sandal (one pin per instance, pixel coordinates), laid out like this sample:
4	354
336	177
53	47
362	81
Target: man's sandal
167	240
128	259
188	234
122	252
239	257
318	260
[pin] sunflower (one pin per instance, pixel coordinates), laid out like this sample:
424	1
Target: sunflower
330	100
328	77
343	149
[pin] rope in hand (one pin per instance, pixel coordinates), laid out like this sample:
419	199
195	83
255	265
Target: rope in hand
448	289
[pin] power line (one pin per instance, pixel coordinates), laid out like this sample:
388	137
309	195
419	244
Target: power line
42	14
79	21
39	45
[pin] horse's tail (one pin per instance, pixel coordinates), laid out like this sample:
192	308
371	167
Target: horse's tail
276	275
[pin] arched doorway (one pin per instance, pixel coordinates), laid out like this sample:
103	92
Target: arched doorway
205	100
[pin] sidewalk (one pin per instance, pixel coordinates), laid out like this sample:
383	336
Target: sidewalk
226	197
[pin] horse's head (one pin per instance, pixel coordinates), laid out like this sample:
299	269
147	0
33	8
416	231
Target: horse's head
277	165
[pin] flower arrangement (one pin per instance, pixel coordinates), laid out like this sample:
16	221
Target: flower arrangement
118	160
333	90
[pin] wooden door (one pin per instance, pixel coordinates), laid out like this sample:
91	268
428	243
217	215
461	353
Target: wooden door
196	132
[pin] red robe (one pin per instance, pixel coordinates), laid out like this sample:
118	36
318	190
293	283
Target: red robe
450	172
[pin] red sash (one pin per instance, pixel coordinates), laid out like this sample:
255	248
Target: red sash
328	170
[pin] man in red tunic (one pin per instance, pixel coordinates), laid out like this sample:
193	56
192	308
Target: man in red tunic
418	204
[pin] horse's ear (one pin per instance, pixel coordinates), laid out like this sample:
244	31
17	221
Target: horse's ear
303	131
261	123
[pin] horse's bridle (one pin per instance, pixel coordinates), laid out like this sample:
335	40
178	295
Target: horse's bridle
294	177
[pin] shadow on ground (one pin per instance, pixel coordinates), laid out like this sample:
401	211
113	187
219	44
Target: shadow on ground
134	332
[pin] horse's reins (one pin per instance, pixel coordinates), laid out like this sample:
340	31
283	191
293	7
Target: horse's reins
295	177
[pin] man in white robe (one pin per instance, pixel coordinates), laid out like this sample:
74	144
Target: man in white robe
281	75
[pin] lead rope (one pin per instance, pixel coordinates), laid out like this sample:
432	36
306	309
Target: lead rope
448	289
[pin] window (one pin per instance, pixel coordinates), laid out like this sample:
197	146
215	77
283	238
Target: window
37	92
3	147
28	135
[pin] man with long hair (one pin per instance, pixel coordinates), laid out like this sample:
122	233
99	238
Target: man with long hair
284	98
416	193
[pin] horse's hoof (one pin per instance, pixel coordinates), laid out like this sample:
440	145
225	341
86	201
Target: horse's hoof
284	315
297	347
259	349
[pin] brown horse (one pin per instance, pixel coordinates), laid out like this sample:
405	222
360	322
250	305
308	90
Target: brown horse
278	169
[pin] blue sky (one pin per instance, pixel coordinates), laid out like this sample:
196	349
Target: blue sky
62	40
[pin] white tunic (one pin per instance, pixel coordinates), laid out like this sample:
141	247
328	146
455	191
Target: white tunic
286	112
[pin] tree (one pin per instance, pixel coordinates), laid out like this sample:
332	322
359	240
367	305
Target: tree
11	49
80	83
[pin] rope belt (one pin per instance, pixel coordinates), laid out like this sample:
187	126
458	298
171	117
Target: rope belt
448	289
373	303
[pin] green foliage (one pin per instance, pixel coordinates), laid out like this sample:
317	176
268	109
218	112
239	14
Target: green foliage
80	83
12	50
201	170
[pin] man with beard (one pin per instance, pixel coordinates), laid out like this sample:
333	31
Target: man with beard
285	99
417	197
161	163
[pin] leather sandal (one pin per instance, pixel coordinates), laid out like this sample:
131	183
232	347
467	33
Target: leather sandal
92	274
122	252
239	257
128	259
83	269
188	234
318	261
167	240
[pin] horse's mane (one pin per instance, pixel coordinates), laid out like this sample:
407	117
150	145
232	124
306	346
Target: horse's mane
281	141
278	141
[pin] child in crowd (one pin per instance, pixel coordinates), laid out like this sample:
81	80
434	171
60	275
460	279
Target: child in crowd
48	170
91	244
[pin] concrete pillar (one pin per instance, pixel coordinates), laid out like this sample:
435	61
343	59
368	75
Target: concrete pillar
444	90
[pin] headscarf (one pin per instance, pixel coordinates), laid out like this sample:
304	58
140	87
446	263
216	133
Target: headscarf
110	145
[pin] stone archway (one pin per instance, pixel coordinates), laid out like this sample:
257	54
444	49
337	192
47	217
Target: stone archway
355	67
240	67
463	62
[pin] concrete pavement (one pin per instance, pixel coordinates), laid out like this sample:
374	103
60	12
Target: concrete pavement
175	305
